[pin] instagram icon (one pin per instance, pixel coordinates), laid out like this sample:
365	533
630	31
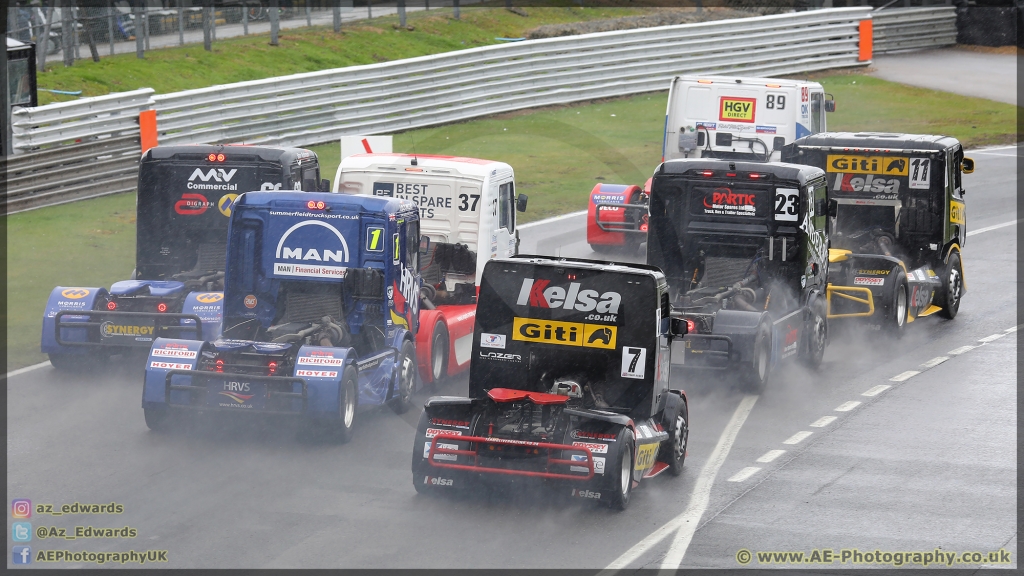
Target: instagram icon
21	508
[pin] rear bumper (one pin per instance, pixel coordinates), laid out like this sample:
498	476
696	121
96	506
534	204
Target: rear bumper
709	352
547	465
283	394
81	330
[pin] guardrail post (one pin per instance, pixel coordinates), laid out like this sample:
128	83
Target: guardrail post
147	130
866	40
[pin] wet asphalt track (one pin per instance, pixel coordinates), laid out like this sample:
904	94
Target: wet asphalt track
927	463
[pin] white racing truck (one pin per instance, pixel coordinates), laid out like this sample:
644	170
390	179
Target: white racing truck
467	216
725	117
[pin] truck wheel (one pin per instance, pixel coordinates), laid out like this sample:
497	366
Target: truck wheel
756	374
896	323
621	484
348	401
673	450
156	419
439	353
420	467
817	337
948	297
406	384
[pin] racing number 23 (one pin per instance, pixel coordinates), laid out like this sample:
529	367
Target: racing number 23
787	204
464	202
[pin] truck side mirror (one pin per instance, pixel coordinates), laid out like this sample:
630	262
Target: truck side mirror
521	202
677	327
967	165
325	185
830	104
424	245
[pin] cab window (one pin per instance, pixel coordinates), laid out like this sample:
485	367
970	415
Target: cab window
816	111
410	247
506	209
954	169
310	178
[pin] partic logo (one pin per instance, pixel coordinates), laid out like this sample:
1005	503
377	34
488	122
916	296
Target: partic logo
75	293
224	204
209	297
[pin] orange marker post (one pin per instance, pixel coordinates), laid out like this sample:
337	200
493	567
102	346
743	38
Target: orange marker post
866	40
147	129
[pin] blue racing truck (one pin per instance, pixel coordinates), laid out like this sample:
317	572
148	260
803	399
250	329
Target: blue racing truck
321	307
184	200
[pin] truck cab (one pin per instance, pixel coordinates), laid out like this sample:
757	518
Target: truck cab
467	212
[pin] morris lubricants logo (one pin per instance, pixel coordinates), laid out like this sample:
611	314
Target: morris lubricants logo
209	297
563	333
75	293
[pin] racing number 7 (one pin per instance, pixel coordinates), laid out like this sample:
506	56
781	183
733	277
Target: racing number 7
636	358
787	204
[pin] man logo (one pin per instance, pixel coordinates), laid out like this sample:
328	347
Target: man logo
209	297
312	254
225	202
75	293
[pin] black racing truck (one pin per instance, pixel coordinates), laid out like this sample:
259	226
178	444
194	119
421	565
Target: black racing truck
568	384
185	194
744	247
898	222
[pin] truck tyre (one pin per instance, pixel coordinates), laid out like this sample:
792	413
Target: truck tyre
949	294
420	466
157	419
816	338
439	354
621	472
406	379
757	372
348	401
673	450
896	323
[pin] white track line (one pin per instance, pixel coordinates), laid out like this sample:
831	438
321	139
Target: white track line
876	390
552	219
993	227
14	373
798	437
823	421
847	406
744	474
1010	330
904	376
988	339
934	362
686	523
770	456
961	350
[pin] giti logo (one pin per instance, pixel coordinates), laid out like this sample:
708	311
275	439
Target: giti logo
537	293
564	333
209	297
215	174
74	293
224	204
737	109
884	165
957	212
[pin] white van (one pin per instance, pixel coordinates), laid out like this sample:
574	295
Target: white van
740	118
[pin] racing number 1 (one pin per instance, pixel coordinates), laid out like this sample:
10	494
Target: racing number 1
374	239
787	204
464	206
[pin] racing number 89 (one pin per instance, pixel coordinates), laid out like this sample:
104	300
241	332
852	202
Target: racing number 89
775	101
787	204
464	206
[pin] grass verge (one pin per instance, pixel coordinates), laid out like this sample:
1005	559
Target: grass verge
558	155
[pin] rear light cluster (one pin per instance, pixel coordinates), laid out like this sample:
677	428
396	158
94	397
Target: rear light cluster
216	157
219	365
691	326
111	305
315	205
751	175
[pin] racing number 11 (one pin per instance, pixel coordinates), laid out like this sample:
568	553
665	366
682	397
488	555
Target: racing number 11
787	204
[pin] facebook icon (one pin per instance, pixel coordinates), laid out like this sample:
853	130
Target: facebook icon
21	555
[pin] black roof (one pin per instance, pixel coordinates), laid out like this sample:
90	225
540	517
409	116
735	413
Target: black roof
878	141
781	170
265	153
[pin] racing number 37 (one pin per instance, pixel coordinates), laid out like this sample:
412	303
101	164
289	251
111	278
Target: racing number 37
787	204
464	202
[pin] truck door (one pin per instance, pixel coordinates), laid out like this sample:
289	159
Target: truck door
817	112
507	234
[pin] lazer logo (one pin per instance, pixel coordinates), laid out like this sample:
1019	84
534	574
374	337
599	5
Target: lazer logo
869	183
563	333
538	294
501	356
434	481
215	174
884	165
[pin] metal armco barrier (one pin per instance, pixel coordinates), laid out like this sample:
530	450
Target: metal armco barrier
902	29
318	107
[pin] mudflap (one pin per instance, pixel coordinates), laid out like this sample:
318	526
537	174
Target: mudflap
69	299
741	327
442	416
209	306
787	334
608	194
860	287
322	369
923	283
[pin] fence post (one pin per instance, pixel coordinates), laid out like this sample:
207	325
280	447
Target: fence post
337	17
91	17
41	52
401	13
207	40
309	20
137	30
274	14
145	29
369	9
67	25
245	20
455	9
181	24
110	25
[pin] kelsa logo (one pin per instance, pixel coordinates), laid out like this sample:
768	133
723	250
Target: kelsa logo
537	293
869	183
192	204
74	293
563	333
209	297
884	165
737	109
215	174
438	481
721	197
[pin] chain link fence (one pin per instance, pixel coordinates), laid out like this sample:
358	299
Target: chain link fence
69	30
